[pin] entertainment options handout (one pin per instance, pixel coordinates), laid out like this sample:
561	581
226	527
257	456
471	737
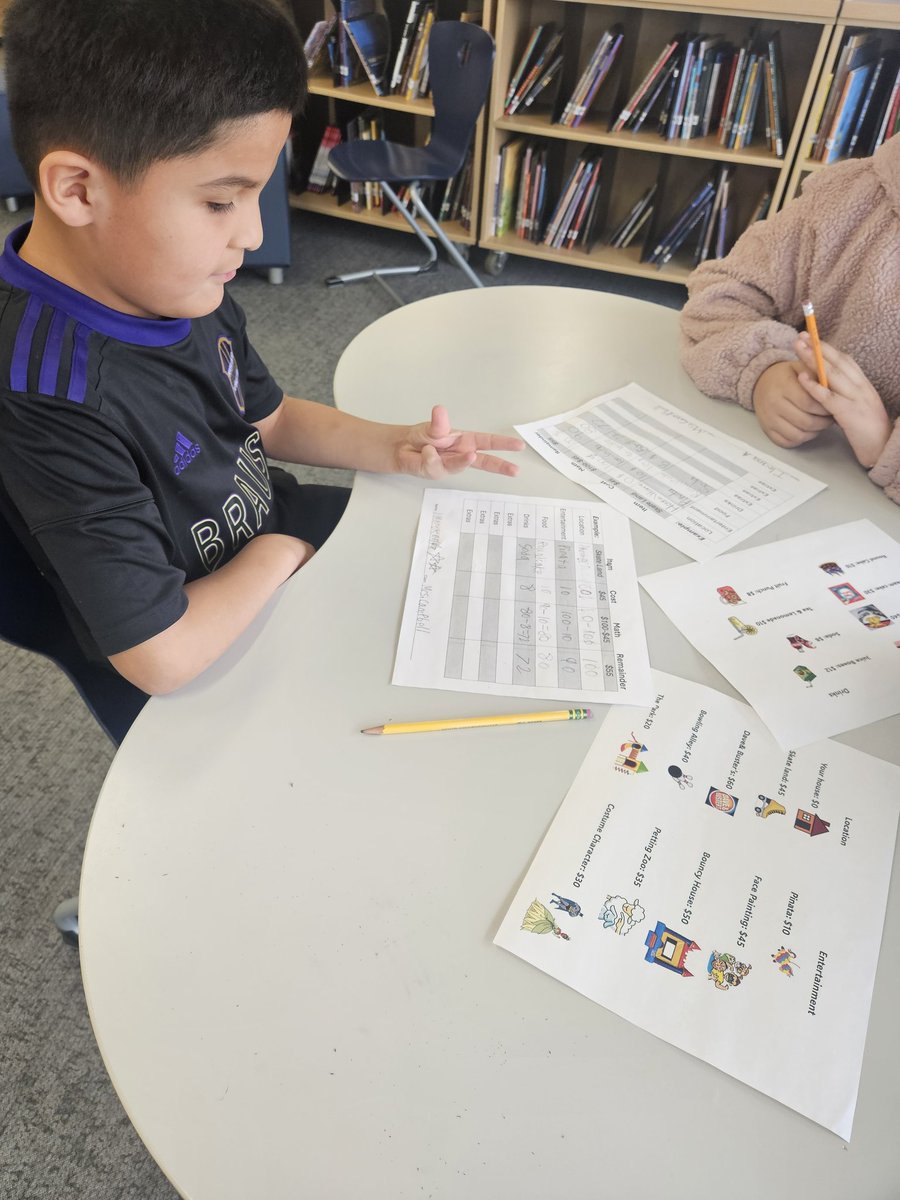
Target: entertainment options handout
807	629
693	486
722	894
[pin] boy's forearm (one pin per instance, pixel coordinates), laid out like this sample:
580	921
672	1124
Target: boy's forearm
302	431
220	607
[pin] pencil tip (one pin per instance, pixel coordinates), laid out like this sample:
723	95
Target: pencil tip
374	729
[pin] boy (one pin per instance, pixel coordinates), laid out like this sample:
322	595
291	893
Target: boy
135	417
835	245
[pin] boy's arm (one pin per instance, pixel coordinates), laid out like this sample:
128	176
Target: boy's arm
738	318
220	607
302	431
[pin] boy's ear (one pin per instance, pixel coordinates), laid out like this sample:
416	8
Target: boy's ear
71	186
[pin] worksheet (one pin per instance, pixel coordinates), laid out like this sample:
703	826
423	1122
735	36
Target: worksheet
690	484
523	596
720	893
806	629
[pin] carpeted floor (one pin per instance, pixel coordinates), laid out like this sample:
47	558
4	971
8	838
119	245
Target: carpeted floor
63	1132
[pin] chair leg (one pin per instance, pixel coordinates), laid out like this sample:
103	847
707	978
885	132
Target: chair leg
435	228
276	275
65	918
377	273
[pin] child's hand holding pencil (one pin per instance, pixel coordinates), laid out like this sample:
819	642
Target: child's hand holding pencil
849	397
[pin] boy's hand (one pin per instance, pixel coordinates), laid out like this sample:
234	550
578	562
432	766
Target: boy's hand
849	398
788	413
434	449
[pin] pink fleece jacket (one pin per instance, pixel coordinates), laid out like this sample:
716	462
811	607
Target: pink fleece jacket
837	244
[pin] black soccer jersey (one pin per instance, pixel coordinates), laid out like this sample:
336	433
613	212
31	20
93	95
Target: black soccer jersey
129	463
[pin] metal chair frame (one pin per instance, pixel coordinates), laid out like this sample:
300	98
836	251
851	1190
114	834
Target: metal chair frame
460	57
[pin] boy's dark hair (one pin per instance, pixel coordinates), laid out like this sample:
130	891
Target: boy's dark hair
131	82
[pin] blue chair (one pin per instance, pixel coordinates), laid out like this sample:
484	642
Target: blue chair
460	59
31	617
274	207
13	180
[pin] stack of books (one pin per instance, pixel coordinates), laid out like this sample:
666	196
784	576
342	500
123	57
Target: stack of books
702	228
367	126
700	85
861	108
579	103
635	220
321	177
538	71
315	46
456	204
409	76
572	221
755	72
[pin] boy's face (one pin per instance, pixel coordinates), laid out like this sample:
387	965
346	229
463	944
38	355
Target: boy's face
167	246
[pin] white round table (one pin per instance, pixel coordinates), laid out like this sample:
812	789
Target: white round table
286	926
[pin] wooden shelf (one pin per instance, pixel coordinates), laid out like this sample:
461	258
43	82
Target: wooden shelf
327	205
601	258
364	94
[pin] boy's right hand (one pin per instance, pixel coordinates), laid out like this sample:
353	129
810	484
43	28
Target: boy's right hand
789	416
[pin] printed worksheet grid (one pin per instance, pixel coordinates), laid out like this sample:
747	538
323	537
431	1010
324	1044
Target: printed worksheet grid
530	599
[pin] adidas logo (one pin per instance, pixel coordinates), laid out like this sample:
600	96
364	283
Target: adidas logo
185	452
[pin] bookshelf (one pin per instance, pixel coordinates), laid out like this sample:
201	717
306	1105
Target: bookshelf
632	162
406	121
881	17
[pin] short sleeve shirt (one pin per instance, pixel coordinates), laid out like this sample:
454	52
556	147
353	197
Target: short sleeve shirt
129	464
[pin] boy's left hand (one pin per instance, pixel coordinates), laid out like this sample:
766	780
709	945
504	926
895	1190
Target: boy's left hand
433	449
849	397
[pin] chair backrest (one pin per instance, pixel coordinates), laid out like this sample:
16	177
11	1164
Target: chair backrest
31	617
460	59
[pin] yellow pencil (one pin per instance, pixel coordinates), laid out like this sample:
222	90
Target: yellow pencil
812	329
562	714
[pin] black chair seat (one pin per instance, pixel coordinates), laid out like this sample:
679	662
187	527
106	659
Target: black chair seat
392	163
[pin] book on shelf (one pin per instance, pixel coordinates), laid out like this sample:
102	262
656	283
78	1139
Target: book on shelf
532	192
628	113
869	127
507	179
321	177
652	95
857	50
598	67
707	240
567	225
775	94
346	65
406	39
411	82
680	227
546	85
540	55
370	36
887	126
634	220
315	46
856	83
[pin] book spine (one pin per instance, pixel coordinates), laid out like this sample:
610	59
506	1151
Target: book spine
647	82
522	66
601	73
409	26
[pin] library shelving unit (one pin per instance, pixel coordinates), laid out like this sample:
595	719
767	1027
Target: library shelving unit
634	161
407	121
856	16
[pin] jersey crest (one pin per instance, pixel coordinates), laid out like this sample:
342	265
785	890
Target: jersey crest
230	371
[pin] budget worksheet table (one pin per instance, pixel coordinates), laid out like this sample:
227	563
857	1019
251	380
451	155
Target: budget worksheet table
523	596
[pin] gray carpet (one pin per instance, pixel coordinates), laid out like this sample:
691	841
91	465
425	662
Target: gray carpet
63	1132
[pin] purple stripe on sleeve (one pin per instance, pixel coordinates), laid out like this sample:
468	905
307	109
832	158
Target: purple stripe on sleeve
18	370
78	377
52	348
